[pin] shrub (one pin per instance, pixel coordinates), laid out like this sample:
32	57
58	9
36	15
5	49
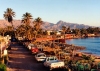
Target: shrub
3	67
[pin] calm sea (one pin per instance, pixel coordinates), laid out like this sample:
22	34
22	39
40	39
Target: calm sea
92	44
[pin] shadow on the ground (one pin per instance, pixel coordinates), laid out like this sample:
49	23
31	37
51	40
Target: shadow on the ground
22	60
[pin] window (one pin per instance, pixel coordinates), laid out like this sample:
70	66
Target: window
41	55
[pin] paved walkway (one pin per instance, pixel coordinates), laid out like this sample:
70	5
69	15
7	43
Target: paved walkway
22	60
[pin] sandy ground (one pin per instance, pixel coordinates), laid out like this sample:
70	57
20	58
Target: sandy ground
20	59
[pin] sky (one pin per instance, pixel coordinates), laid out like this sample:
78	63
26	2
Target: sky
74	11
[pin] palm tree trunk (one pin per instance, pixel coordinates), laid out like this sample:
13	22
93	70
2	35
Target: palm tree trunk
3	34
12	25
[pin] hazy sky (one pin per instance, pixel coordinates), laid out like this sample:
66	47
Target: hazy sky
75	11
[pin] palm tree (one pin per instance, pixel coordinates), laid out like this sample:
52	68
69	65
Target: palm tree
2	31
26	18
77	32
8	15
20	31
83	32
40	32
68	30
9	31
23	30
37	24
28	31
9	28
64	30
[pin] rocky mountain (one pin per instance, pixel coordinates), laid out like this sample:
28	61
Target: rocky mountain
46	25
4	23
59	24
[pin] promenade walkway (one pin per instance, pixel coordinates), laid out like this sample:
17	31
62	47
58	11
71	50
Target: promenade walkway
22	60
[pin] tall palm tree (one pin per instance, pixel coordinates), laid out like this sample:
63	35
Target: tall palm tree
37	24
9	14
26	18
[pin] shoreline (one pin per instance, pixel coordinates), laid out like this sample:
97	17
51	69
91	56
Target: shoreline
96	57
82	37
83	52
86	53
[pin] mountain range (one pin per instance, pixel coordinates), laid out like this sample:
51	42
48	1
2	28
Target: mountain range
46	25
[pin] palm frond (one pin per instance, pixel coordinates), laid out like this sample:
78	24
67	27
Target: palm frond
26	18
9	14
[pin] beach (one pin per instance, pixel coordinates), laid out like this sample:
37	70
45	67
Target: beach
79	48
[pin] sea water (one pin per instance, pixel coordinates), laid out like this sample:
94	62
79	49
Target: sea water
92	44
